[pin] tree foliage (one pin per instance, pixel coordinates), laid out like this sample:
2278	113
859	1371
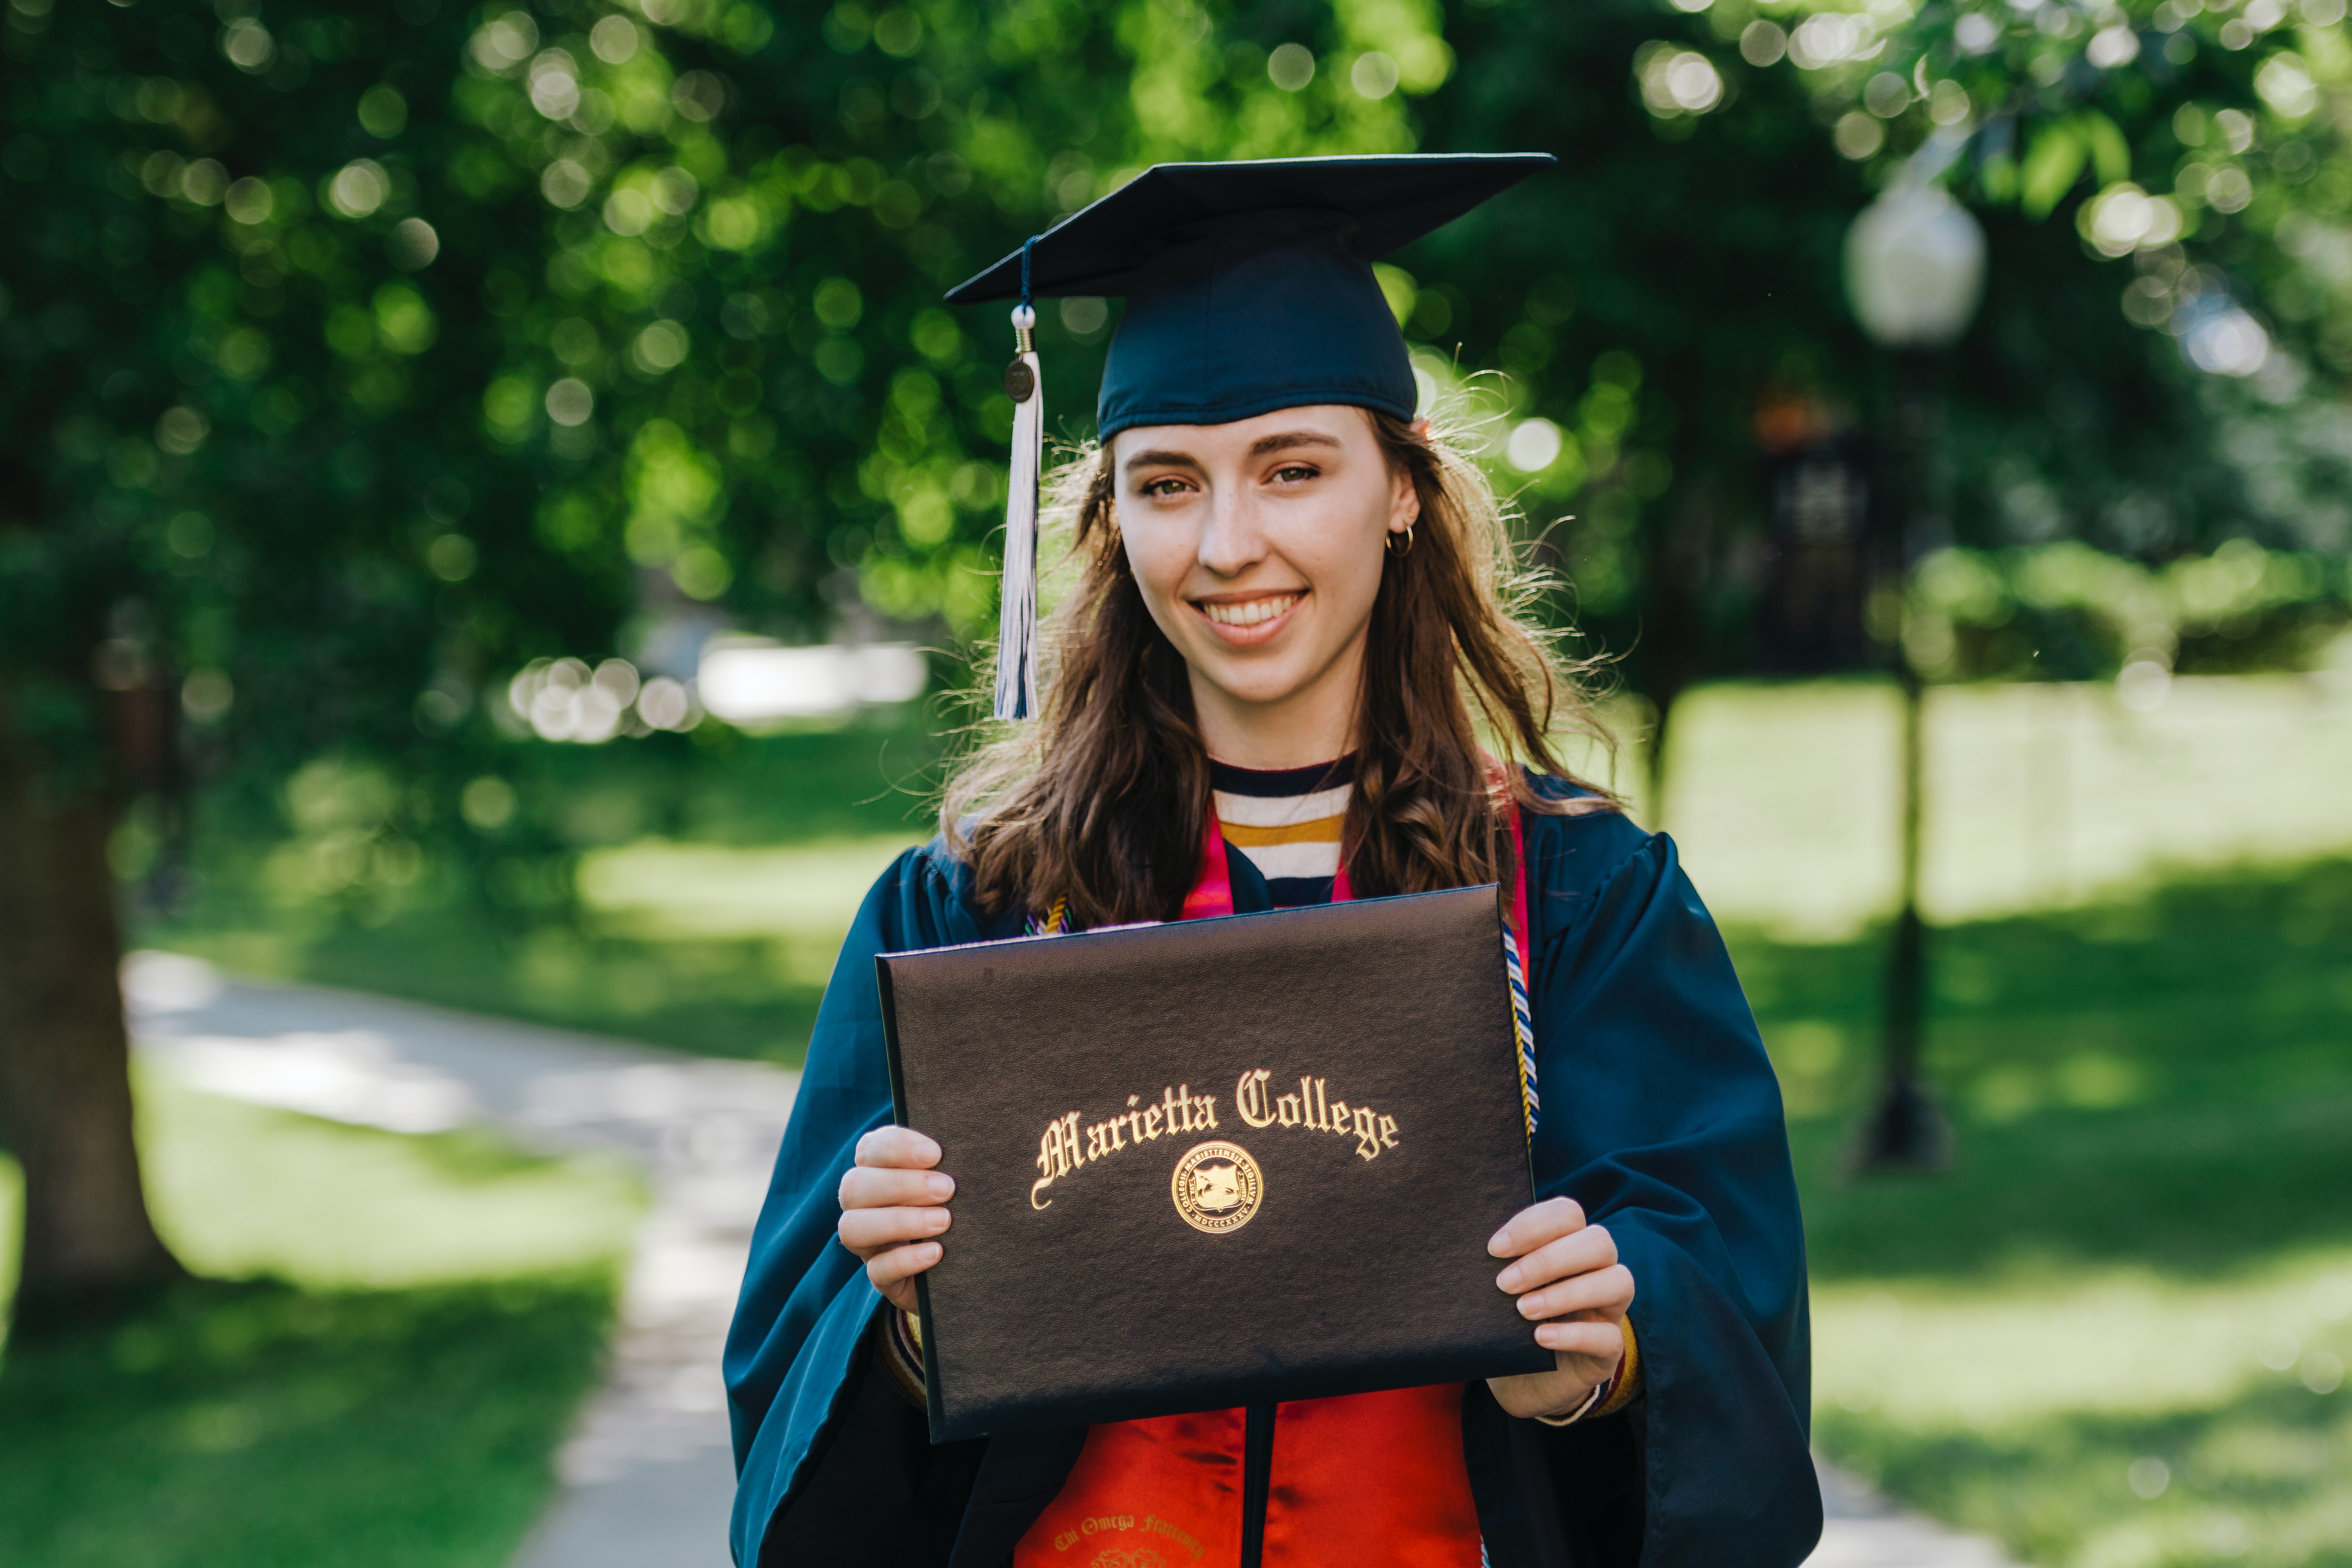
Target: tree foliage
244	362
2199	152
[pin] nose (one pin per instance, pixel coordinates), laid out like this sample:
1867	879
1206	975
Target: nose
1231	538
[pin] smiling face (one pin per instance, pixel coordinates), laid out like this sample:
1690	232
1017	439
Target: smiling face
1258	548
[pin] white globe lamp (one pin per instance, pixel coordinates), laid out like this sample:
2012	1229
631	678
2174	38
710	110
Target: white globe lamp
1914	268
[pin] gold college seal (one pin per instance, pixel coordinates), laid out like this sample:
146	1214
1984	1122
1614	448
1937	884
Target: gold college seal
1217	1187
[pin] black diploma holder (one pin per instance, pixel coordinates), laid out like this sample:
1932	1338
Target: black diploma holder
1216	1162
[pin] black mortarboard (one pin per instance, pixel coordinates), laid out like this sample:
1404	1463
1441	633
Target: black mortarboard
1249	288
1249	285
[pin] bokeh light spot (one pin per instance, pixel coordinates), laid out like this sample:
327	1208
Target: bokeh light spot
1374	75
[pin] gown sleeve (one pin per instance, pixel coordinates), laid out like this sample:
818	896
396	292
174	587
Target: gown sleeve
798	1351
1661	1117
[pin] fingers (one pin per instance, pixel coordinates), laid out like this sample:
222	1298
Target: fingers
874	1187
900	1148
1578	1253
894	1269
1535	1224
867	1231
1604	1343
1605	1293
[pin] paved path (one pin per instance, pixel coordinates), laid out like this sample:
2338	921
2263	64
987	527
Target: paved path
647	1475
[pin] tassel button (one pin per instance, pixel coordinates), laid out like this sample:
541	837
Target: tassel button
1020	381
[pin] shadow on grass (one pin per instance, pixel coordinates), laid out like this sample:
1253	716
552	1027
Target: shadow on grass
711	998
263	1425
2181	1188
2167	1081
2150	1100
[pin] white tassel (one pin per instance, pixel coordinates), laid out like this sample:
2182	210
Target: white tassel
1016	635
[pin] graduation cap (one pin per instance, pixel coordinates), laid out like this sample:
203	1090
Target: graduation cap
1249	288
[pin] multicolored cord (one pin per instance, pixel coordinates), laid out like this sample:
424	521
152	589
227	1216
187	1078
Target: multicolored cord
1523	1025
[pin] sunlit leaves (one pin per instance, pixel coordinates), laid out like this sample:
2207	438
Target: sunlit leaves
2060	150
504	42
564	184
382	111
615	39
676	495
2124	218
743	219
510	409
1678	81
2285	84
660	348
247	44
403	321
357	189
413	244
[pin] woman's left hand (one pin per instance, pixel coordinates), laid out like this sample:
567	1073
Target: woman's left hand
1568	1281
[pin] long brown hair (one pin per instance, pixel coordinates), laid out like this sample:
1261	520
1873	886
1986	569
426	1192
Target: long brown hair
1100	800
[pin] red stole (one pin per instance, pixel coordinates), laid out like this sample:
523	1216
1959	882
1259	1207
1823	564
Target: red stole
1371	1479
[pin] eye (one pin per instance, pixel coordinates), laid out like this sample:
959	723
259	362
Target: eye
1166	485
1296	473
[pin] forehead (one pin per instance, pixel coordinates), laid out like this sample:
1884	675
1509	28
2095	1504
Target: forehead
1331	422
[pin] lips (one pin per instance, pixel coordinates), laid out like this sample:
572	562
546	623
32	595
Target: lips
1249	612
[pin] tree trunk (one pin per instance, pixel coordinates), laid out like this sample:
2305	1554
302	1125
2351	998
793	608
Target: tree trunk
65	1057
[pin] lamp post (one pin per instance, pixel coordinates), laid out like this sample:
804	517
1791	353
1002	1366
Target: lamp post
1914	272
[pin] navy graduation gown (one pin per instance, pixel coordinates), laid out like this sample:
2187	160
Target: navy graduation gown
1661	1116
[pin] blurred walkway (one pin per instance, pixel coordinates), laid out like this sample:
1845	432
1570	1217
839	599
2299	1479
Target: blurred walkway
649	1475
1862	1530
648	1479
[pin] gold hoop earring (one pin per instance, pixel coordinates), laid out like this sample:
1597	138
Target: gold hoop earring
1392	546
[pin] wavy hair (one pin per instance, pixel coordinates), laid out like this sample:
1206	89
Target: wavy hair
1101	800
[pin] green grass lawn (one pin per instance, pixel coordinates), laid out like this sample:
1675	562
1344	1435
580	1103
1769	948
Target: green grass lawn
391	1340
712	893
2114	1336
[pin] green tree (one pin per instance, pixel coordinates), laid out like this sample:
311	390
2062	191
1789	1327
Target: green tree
249	484
750	223
1672	303
352	359
2188	160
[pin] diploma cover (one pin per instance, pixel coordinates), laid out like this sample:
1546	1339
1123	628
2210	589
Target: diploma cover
1216	1162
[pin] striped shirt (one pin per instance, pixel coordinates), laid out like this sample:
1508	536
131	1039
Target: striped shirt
1288	822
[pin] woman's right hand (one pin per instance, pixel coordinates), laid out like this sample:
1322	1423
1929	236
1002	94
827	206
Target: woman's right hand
890	1209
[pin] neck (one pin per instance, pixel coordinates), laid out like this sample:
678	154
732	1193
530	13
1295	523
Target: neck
1313	724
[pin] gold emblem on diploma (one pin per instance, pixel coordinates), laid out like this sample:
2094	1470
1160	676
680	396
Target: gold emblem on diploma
1217	1187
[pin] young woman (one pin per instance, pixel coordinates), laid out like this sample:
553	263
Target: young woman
1294	629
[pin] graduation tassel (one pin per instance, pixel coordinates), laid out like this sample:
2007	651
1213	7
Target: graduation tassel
1016	635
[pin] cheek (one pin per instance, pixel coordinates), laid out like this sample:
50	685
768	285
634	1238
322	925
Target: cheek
1341	554
1159	554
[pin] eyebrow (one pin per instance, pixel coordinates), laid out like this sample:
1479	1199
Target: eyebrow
1289	439
1264	446
1162	461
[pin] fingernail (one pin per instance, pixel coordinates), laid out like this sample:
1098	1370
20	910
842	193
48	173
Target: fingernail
1531	1305
939	1218
940	1188
1509	1279
1500	1244
933	1251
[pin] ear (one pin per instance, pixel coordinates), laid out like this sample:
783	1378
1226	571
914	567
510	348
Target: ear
1404	500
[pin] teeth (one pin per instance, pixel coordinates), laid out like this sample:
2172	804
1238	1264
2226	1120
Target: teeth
1250	612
